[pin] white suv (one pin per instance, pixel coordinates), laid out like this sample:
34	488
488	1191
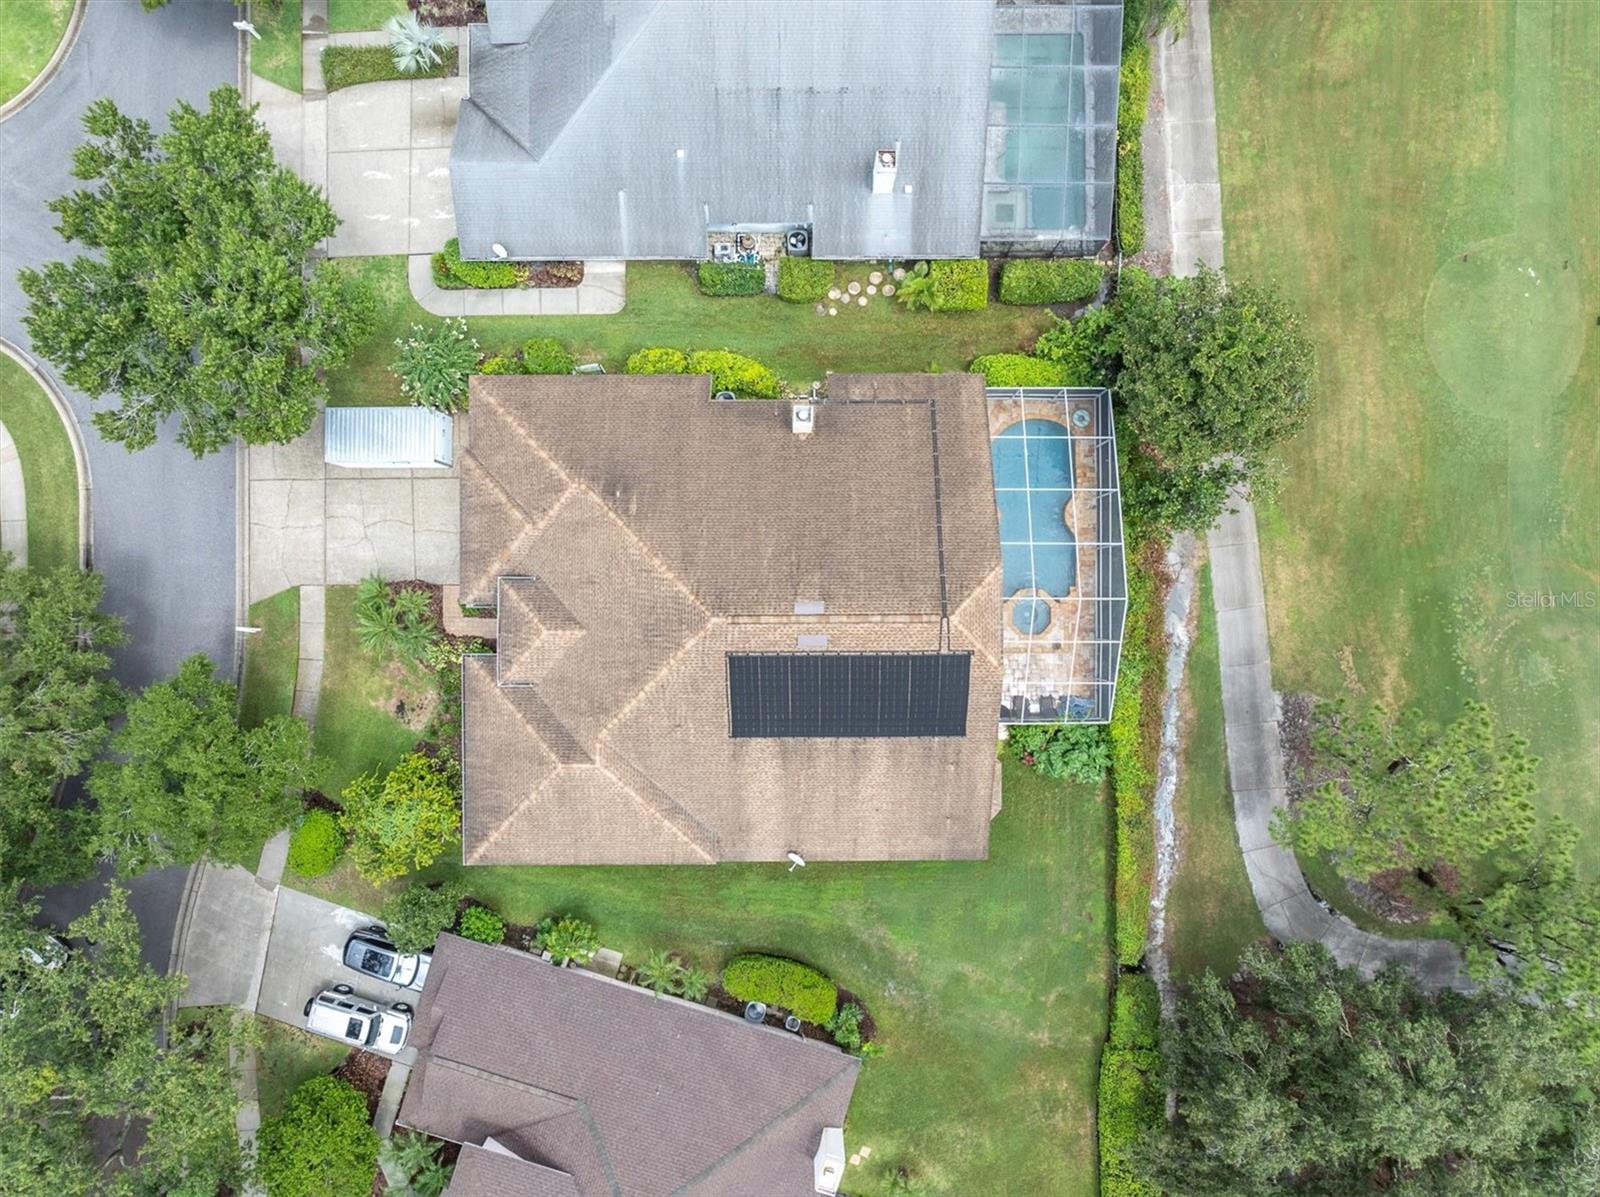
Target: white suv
361	1022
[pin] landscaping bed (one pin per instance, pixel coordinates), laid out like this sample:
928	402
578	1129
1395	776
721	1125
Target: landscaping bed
365	1072
452	273
348	66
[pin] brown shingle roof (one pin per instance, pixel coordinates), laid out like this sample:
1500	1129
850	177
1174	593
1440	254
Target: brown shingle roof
482	1172
634	532
629	1094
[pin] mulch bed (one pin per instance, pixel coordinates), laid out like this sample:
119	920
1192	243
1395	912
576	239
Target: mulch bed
317	800
366	1071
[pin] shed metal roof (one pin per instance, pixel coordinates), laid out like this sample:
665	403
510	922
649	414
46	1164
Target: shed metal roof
390	438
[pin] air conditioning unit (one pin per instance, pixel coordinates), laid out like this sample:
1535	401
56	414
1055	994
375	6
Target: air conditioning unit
722	251
798	242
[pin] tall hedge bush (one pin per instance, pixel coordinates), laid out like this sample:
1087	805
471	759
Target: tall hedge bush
316	844
1049	280
959	285
803	280
657	360
732	278
1132	734
545	355
1018	370
786	984
1129	1099
321	1145
1131	106
744	376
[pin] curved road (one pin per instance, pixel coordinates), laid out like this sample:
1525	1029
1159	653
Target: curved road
163	522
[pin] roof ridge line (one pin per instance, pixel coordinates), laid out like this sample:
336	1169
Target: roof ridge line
532	796
661	816
962	606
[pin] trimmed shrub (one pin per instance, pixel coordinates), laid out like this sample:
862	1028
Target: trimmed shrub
571	939
803	280
482	275
545	355
418	915
1049	280
499	364
786	984
1133	749
1018	370
1078	751
657	360
1136	1013
1135	98
732	278
959	285
434	363
482	924
1130	1102
316	844
744	376
322	1145
346	66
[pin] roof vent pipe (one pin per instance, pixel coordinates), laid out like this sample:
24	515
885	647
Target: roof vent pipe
884	165
802	417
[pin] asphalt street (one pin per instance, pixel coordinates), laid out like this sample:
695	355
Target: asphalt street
163	521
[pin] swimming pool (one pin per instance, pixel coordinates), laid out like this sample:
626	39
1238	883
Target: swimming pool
1032	484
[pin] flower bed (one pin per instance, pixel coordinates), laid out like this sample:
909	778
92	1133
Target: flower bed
347	66
453	273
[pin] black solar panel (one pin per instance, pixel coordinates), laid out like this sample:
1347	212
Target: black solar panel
783	695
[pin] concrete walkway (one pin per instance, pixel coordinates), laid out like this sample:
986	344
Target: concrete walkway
13	501
1250	706
308	678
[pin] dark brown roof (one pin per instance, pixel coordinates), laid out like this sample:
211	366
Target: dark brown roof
628	1094
483	1172
633	532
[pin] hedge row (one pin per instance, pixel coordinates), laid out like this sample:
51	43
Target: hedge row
1049	280
450	272
346	66
729	371
539	355
786	984
732	278
959	285
1132	751
1131	107
1129	1098
1018	370
803	280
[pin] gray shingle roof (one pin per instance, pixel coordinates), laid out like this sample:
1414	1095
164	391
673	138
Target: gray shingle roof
629	1094
777	108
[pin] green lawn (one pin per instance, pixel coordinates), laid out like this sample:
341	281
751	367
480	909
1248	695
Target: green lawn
1211	911
665	307
271	658
49	470
287	1056
356	723
1420	178
276	56
30	31
352	16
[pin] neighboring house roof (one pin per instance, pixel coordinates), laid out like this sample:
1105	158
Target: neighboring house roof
627	1093
634	533
623	128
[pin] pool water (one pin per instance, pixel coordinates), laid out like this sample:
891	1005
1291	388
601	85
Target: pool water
1033	482
1030	616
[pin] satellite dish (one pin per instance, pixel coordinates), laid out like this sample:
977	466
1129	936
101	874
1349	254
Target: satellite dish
796	861
498	250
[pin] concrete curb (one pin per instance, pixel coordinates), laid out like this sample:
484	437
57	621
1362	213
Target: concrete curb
75	436
42	80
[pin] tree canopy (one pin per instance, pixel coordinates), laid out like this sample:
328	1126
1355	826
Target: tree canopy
82	1063
402	822
322	1145
56	699
1211	376
192	782
1301	1078
199	295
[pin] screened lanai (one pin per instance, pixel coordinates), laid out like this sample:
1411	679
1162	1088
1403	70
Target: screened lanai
1064	581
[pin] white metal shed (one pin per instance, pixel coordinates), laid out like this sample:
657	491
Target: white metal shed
388	438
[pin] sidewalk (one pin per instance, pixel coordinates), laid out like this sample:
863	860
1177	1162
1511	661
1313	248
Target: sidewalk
13	500
1250	706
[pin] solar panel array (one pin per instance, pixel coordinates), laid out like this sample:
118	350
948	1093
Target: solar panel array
816	695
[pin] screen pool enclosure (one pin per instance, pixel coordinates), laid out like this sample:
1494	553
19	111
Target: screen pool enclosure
1064	585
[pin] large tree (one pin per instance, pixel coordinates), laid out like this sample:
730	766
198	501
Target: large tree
56	701
190	782
1211	376
199	296
82	1063
1301	1078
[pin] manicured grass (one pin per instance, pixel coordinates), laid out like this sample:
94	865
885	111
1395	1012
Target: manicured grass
30	31
664	307
352	16
276	56
1419	178
49	471
286	1058
988	979
356	723
271	658
1211	911
346	66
